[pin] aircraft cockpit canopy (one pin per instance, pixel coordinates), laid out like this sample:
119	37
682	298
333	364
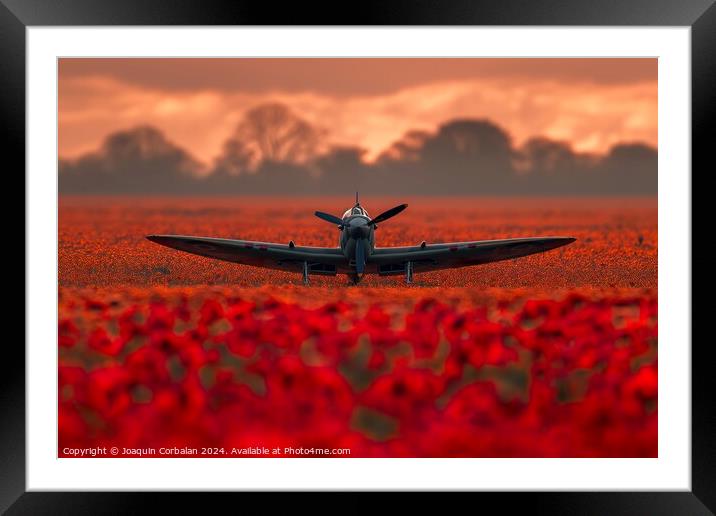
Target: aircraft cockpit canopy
355	210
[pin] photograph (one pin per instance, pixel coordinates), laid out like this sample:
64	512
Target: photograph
349	257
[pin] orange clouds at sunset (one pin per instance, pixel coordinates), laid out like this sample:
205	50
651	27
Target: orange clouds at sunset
592	104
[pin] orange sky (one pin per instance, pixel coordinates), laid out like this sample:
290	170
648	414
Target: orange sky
592	103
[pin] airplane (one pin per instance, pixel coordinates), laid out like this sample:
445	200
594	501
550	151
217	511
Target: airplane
357	254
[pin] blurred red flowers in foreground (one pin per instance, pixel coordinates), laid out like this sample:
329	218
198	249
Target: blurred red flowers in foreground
572	377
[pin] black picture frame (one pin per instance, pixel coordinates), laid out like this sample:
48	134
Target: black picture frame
700	15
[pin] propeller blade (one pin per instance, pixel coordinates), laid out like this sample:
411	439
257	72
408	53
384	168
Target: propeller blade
388	214
360	257
329	218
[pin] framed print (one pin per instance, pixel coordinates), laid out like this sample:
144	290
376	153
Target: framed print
433	251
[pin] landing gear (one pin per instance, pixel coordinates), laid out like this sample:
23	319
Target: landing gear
409	273
306	281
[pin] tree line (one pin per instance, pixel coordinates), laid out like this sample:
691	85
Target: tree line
274	151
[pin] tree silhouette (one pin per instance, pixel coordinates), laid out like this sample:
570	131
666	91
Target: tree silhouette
343	169
407	148
548	157
632	166
287	155
140	159
479	146
269	133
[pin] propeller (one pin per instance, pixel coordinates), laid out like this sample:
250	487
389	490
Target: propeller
361	232
388	214
329	218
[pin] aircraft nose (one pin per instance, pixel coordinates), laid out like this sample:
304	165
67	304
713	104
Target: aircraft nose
360	231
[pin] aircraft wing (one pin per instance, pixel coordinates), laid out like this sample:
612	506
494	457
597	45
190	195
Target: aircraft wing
287	257
429	257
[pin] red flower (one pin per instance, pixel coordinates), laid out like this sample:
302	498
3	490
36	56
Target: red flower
68	333
405	394
100	341
548	378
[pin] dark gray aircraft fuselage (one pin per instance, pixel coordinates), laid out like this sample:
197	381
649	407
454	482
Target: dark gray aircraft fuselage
357	233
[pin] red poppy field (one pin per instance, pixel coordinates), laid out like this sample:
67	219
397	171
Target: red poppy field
167	354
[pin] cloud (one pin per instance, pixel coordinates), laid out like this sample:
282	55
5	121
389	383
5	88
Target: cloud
592	117
347	77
